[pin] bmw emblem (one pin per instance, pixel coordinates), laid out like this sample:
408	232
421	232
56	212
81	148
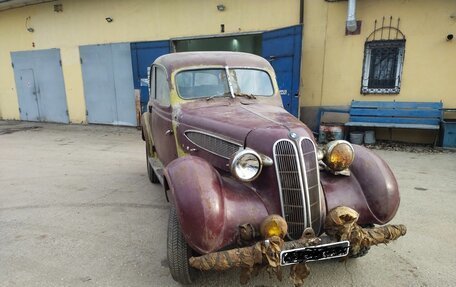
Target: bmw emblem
293	135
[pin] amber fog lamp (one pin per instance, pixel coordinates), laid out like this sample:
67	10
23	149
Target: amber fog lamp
273	225
339	155
246	165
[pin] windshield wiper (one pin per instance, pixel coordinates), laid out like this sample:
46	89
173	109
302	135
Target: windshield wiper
219	95
248	96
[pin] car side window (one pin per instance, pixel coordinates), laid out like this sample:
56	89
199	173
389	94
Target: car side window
161	87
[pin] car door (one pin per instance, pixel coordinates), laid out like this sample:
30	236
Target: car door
161	116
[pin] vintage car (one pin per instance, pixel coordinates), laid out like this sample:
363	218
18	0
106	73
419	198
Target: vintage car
229	156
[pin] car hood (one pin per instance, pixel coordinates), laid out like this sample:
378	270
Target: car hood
234	120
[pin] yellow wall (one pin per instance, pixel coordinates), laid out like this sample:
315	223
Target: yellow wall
83	22
332	62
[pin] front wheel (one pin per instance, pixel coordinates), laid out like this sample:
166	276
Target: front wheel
178	252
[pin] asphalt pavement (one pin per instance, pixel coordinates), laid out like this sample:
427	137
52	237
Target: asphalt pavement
77	209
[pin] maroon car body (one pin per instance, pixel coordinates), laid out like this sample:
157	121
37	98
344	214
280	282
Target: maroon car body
191	143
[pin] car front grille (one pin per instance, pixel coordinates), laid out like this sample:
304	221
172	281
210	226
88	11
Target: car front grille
311	182
298	179
212	143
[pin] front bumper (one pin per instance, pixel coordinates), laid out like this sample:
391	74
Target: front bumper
340	226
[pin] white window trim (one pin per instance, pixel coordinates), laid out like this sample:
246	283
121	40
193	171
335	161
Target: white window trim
365	81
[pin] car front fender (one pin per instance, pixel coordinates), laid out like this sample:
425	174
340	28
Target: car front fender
371	189
210	207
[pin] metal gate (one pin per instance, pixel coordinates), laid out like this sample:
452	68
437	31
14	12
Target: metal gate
282	48
143	54
108	84
40	85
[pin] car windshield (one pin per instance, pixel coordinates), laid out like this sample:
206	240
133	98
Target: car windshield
209	83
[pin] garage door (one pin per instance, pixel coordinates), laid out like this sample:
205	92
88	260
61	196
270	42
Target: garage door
40	86
108	84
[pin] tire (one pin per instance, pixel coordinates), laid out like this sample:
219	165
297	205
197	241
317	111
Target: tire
150	171
178	252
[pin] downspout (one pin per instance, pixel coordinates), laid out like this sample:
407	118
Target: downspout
351	16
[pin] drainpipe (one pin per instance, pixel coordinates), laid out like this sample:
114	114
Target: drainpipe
351	16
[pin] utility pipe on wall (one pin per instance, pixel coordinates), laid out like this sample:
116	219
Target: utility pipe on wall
351	16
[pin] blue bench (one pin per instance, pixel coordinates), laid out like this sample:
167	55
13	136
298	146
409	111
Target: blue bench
403	115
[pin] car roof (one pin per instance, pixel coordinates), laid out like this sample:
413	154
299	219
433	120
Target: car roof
176	61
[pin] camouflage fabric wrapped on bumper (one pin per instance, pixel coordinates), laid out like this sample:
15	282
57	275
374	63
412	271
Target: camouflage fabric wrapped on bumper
340	225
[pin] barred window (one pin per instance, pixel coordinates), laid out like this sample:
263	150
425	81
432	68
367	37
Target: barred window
382	71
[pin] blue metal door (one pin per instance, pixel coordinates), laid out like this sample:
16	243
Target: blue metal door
123	83
99	90
143	54
28	100
40	85
282	48
108	84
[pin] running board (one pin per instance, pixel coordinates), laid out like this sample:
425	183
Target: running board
158	168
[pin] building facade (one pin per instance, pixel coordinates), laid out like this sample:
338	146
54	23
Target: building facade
419	58
95	53
78	61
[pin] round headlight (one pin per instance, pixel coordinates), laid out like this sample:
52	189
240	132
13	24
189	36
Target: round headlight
339	155
246	165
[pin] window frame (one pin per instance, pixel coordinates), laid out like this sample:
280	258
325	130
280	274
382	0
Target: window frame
256	69
153	86
193	80
368	47
223	68
152	83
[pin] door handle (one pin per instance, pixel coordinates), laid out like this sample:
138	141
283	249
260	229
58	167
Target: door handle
169	132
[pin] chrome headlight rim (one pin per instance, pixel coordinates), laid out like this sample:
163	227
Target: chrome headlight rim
329	148
238	156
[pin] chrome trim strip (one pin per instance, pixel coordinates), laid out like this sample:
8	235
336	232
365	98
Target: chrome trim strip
210	135
305	176
278	177
293	144
305	185
230	84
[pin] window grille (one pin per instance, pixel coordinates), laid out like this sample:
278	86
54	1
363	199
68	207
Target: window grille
383	60
383	66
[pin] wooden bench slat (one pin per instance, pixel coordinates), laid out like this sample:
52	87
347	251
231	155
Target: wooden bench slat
421	121
407	115
394	104
428	113
392	125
